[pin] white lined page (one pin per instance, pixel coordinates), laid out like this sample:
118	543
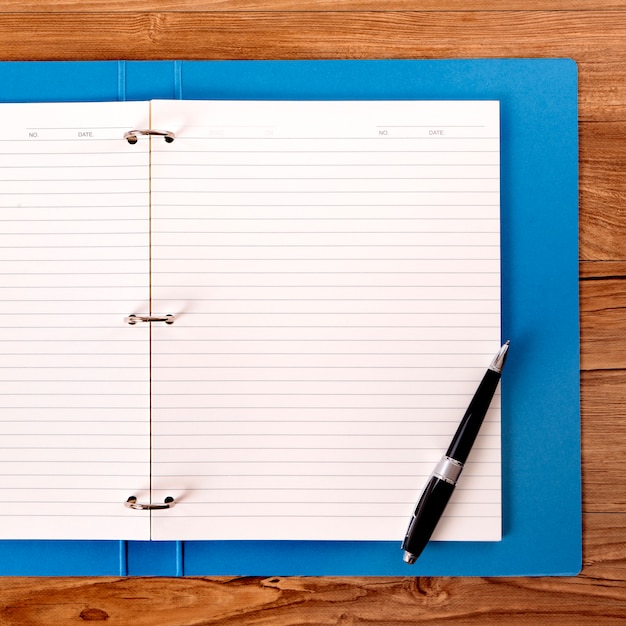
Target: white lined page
334	268
74	377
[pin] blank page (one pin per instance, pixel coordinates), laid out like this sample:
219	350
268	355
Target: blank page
334	269
74	376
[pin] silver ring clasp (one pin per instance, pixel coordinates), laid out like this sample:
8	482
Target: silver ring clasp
132	503
133	135
132	319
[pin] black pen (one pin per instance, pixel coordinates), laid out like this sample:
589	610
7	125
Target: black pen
443	480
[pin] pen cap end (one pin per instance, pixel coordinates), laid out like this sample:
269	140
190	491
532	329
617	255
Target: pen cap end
409	558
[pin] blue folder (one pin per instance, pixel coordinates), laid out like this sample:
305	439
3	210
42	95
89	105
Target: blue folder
540	387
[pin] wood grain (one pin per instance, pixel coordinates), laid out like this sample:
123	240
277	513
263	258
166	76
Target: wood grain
591	38
603	320
593	33
219	6
598	595
603	190
604	428
285	34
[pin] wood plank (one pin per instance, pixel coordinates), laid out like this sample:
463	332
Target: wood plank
120	6
600	97
282	601
604	552
589	38
603	323
602	190
294	35
595	270
603	410
266	35
603	386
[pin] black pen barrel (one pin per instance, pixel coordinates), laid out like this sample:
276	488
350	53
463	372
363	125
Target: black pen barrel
467	431
440	485
427	514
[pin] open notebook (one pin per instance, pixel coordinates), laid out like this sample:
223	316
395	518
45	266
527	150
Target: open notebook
333	273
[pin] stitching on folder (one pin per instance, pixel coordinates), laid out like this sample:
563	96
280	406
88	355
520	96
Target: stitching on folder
178	80
121	80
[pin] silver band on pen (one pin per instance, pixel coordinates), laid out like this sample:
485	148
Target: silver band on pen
448	469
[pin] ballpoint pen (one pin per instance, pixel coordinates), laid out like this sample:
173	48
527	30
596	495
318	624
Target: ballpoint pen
443	480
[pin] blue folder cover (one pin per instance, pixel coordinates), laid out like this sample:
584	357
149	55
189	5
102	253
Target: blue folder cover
540	386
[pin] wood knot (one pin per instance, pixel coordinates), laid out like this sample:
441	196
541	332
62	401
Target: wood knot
431	590
94	615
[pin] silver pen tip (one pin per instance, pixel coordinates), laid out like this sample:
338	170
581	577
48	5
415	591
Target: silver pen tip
498	361
409	558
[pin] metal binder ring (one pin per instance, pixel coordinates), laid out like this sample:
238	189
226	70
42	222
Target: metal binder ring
132	319
132	135
132	503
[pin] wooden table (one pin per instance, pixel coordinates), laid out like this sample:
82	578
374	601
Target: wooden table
593	32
